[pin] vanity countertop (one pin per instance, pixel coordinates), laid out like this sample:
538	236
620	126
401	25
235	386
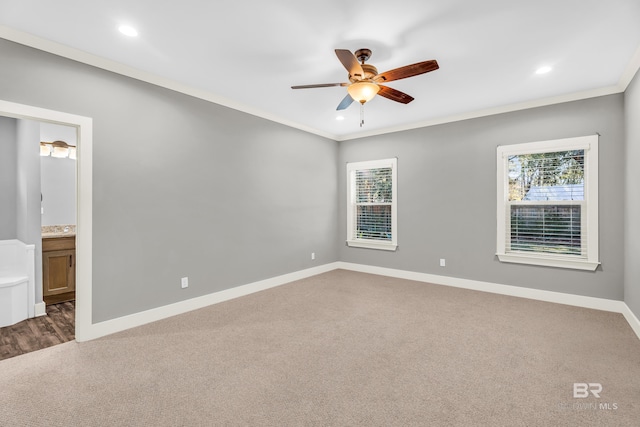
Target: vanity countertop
57	235
55	231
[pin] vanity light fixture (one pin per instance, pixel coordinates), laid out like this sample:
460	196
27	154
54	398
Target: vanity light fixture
58	149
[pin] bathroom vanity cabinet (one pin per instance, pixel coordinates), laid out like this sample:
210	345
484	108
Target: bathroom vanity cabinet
59	267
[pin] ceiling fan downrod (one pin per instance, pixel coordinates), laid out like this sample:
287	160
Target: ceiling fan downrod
363	55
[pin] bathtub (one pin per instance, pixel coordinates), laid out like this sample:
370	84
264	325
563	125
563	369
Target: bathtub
17	282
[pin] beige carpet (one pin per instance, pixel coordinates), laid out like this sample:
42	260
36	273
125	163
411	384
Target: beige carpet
340	349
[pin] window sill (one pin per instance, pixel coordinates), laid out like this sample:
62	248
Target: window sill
372	245
577	264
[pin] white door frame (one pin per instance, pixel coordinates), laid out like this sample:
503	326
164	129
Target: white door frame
84	197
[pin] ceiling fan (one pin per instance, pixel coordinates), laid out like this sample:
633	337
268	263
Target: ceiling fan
365	82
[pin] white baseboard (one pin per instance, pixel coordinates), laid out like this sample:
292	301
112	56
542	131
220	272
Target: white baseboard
632	319
108	327
40	309
516	291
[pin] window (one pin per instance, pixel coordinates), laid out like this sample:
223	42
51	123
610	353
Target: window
548	203
371	204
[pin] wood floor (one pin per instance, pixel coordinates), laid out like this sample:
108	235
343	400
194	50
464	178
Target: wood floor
40	332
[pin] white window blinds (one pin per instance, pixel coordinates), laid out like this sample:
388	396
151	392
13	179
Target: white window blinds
373	204
546	200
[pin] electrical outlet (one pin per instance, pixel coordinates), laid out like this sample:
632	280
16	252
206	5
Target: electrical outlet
313	255
184	282
442	262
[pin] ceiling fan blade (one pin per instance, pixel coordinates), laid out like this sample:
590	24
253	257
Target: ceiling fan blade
346	101
394	95
350	62
319	85
407	71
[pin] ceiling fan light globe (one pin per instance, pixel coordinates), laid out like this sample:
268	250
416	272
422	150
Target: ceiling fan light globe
363	91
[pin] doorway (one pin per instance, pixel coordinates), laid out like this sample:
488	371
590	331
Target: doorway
83	189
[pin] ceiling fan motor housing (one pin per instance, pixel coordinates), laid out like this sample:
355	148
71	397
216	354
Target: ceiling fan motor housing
369	73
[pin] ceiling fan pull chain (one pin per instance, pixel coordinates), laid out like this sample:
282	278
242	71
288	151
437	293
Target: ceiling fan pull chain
361	114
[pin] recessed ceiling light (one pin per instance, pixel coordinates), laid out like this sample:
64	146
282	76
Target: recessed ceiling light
543	70
128	30
340	118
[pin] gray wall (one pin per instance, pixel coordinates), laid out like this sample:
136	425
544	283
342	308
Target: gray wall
8	175
184	187
28	192
632	211
447	195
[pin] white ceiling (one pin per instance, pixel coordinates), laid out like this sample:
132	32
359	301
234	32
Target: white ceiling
247	54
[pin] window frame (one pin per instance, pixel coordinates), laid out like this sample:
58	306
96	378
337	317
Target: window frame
589	207
352	241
